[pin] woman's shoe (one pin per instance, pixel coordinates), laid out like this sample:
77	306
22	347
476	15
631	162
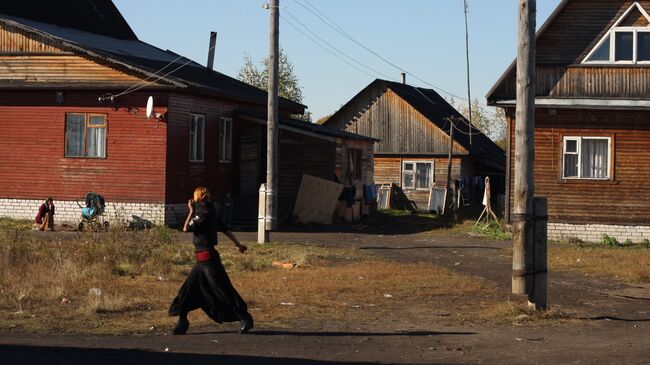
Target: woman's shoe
246	324
181	327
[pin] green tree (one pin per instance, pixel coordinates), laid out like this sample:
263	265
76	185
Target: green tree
288	83
490	121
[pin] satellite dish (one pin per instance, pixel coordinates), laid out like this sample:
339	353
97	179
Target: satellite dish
150	111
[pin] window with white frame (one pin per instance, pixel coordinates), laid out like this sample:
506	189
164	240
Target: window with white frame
627	42
197	137
225	140
417	175
85	135
586	158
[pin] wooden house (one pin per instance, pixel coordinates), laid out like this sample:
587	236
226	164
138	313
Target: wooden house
592	110
413	127
74	86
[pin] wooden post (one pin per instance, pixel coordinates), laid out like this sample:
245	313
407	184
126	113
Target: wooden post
539	297
449	162
272	122
262	233
523	237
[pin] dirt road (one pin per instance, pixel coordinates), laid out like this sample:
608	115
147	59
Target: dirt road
611	329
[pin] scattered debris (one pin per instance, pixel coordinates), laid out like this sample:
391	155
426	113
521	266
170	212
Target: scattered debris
284	265
287	304
152	328
457	263
166	349
65	301
215	341
96	291
387	296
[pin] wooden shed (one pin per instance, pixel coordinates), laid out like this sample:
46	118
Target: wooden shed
592	108
72	120
412	127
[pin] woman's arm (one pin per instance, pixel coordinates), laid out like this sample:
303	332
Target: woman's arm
186	226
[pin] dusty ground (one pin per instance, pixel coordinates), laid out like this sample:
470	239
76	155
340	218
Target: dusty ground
610	321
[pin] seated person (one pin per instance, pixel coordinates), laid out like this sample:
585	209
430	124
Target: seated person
45	217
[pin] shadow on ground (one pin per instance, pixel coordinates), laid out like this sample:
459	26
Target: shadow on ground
10	354
343	334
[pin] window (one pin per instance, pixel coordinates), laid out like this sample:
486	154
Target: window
586	158
225	140
197	131
417	175
628	41
85	135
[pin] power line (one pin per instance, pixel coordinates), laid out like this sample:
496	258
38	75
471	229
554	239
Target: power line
333	47
324	48
332	24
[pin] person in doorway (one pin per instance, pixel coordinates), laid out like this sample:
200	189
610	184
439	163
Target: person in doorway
45	218
208	286
226	213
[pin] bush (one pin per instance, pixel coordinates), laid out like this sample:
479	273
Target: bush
608	240
493	231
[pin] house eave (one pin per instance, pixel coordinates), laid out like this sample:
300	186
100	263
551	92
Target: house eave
601	104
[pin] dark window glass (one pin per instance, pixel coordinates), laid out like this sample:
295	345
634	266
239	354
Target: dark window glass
643	46
624	46
602	53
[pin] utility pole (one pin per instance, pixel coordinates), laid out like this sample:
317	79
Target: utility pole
450	191
523	219
272	123
469	87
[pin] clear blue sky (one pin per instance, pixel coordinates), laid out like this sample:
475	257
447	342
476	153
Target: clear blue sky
425	37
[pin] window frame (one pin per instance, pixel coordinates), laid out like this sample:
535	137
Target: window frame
579	140
610	36
87	126
414	172
194	140
225	149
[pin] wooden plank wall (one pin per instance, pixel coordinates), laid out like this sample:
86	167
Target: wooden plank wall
367	159
621	200
574	33
388	170
382	114
184	176
33	165
27	61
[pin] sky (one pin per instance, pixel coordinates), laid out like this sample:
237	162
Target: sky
424	37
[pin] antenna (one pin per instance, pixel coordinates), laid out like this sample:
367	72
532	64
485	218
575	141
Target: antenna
150	111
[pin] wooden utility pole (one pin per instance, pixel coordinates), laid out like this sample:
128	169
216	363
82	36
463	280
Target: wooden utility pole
523	212
272	123
469	87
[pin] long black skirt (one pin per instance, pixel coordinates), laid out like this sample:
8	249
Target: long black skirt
208	287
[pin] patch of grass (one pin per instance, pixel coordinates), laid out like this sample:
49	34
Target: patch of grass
519	313
493	231
609	241
631	264
15	224
123	282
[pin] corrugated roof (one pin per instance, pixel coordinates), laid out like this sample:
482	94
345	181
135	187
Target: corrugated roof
148	59
93	16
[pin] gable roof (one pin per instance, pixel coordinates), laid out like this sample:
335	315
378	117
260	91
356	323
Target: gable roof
93	16
146	60
541	31
435	109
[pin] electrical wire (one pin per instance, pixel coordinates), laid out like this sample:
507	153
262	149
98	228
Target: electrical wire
335	48
324	48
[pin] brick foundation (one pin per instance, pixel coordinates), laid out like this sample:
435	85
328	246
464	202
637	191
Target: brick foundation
594	232
69	212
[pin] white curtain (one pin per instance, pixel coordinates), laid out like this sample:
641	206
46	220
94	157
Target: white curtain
594	158
423	175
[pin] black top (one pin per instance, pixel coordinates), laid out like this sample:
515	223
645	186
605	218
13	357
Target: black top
205	225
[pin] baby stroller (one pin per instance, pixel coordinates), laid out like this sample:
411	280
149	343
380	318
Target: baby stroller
92	214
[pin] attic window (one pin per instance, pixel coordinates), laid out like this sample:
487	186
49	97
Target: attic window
627	42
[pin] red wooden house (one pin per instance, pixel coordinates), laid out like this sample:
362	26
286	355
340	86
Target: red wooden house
60	138
592	114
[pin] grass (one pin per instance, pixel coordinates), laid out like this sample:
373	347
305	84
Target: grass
14	224
123	281
630	263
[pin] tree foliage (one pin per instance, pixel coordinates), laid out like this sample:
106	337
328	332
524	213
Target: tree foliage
288	83
491	122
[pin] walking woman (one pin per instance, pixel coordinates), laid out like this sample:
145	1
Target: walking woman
207	286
